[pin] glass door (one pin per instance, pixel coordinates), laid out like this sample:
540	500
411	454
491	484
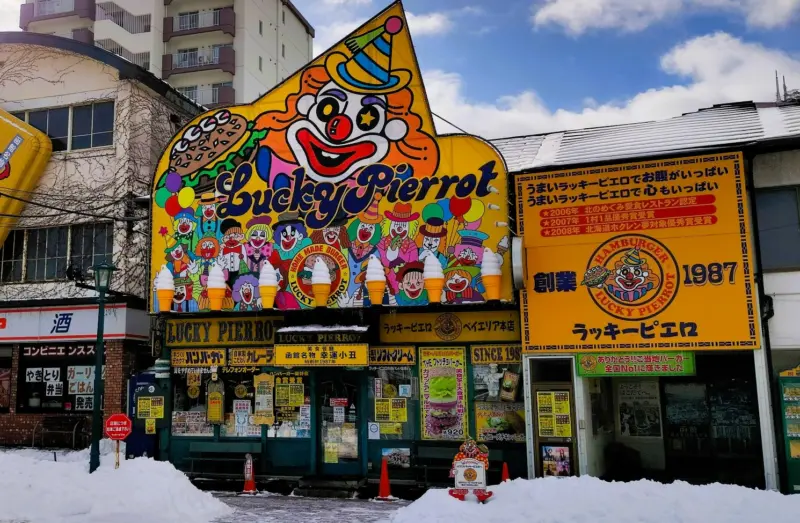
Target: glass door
339	399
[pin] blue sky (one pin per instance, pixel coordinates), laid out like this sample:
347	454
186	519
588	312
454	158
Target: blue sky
505	67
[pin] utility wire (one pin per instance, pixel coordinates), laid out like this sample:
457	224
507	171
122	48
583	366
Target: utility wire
69	211
448	122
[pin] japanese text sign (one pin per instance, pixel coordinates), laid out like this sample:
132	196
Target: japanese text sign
356	354
636	364
118	427
450	326
198	357
339	162
649	256
250	357
392	356
444	393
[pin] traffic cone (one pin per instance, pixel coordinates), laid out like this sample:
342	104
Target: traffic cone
505	477
384	492
249	477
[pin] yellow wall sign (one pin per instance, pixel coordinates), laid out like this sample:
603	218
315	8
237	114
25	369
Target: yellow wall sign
24	153
450	326
228	332
499	354
638	254
392	356
250	357
339	162
343	355
197	357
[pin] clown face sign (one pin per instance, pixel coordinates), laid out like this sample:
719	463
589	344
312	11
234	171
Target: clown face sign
338	163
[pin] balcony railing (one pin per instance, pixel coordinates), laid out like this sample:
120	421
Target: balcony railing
196	20
206	59
52	7
214	96
123	18
195	58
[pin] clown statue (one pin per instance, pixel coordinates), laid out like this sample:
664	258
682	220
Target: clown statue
258	248
290	235
246	293
206	214
397	246
411	285
185	226
233	252
349	113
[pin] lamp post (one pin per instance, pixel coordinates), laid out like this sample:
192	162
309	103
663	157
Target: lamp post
102	280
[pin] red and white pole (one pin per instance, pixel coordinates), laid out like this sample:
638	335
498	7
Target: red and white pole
249	477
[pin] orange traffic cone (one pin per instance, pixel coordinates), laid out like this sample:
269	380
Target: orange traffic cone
249	478
505	477
384	492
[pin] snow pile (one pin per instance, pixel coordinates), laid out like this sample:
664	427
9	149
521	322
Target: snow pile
36	489
590	500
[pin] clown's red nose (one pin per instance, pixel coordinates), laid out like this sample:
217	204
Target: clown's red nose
629	276
339	128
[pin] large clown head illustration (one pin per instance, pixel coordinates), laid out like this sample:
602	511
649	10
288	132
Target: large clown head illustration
353	112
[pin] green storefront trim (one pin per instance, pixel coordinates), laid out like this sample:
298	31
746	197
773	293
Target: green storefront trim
635	364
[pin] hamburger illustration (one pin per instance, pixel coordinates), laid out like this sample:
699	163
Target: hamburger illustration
216	143
443	400
595	276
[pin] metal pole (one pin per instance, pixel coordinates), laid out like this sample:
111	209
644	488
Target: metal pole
97	414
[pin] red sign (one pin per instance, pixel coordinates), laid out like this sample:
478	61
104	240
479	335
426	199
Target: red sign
118	427
338	402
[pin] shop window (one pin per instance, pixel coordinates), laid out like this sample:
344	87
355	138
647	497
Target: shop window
5	379
54	123
91	244
394	399
239	397
498	408
189	405
292	403
57	378
93	125
47	254
778	228
11	257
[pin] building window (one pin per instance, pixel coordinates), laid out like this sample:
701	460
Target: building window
37	255
93	125
779	228
11	257
283	50
54	123
260	64
260	27
187	21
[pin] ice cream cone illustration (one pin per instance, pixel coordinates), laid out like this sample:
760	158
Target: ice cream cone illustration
434	279
216	287
267	285
165	289
376	280
490	274
321	283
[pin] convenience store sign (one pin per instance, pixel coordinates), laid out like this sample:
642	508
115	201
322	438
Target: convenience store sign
636	364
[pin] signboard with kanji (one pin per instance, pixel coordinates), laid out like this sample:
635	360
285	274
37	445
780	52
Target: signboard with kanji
344	354
450	326
118	427
639	253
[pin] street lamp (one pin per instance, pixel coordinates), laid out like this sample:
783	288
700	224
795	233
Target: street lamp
102	279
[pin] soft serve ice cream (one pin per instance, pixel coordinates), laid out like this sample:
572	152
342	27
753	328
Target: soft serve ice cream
321	282
165	289
376	280
267	285
216	287
434	279
490	274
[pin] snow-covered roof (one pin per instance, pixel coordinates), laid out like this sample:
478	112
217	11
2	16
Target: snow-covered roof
324	328
718	126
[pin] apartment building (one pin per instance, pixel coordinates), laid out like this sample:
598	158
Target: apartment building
216	52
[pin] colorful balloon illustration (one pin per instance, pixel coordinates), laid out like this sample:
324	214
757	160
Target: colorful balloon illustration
172	206
446	214
161	196
186	197
173	182
475	212
459	206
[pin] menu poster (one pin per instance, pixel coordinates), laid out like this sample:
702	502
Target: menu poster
216	402
500	421
509	385
544	414
444	393
639	408
264	385
191	423
391	409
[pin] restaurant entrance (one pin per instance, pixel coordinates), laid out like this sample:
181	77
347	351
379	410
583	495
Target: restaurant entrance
340	400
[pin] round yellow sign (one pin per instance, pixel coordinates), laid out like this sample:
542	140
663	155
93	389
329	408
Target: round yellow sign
240	391
193	391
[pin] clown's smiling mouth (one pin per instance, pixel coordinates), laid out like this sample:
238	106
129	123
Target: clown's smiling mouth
247	295
458	286
629	285
332	160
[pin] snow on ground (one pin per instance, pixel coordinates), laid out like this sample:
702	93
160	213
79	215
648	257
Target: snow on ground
36	489
288	509
590	500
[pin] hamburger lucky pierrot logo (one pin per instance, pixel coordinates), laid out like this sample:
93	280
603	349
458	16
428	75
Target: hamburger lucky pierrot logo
338	163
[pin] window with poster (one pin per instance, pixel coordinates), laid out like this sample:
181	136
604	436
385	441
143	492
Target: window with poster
190	387
393	393
5	379
497	386
56	378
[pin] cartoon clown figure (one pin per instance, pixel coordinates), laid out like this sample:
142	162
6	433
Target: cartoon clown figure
364	233
349	113
290	235
411	285
258	248
206	252
246	293
459	285
284	299
233	251
469	251
185	226
432	239
208	224
397	247
334	235
183	300
178	260
631	279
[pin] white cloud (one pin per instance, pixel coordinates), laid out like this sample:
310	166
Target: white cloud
720	68
419	25
9	15
578	16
